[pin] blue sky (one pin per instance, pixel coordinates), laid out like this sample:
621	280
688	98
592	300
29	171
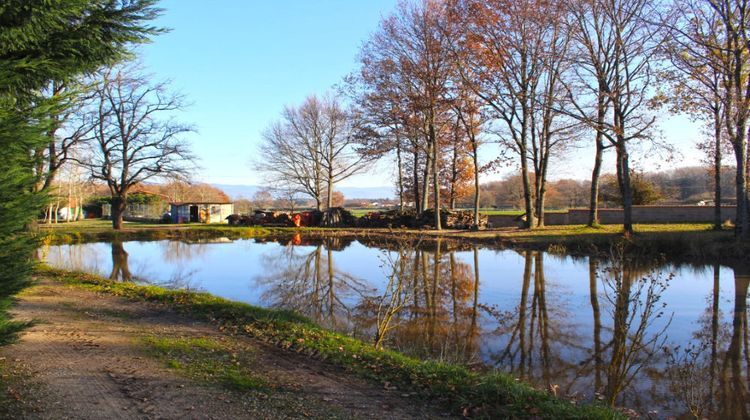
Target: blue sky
240	61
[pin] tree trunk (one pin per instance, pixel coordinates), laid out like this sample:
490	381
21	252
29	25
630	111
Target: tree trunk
427	175
400	174
527	200
743	218
476	181
436	176
415	170
596	172
717	170
454	175
623	175
119	204
541	191
329	200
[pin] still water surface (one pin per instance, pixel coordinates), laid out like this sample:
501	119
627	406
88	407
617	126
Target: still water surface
661	339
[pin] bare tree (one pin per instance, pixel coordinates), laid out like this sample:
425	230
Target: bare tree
733	48
468	112
407	62
501	56
616	61
134	137
262	199
67	132
695	77
591	56
289	156
311	148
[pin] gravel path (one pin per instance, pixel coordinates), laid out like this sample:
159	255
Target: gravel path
85	358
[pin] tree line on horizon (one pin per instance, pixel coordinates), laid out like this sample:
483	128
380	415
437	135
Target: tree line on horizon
441	79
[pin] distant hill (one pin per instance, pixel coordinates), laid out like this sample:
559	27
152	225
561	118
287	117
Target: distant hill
247	191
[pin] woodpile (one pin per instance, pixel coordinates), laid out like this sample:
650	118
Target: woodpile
239	220
452	219
464	219
338	217
387	219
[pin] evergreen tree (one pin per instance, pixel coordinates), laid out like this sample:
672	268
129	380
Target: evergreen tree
42	41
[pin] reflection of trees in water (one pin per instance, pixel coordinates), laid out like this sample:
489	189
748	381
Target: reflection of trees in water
733	392
710	376
307	280
542	345
426	304
536	333
182	251
633	288
429	305
73	257
120	268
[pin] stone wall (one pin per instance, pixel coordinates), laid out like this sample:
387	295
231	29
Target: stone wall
641	214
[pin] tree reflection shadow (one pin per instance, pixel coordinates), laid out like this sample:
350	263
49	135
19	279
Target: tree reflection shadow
305	279
709	381
120	269
634	291
541	344
429	305
535	332
426	304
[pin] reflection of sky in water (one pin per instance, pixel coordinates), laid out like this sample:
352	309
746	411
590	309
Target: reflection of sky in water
230	270
240	271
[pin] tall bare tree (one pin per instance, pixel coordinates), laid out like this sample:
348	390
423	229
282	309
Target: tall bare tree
696	75
591	56
467	108
411	49
135	136
616	60
313	147
733	50
501	55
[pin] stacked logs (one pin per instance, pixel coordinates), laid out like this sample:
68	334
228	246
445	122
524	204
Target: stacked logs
338	217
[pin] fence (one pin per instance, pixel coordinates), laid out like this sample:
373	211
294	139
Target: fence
139	212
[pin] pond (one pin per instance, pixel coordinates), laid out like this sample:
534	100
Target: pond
659	338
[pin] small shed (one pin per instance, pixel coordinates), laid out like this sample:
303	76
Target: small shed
201	212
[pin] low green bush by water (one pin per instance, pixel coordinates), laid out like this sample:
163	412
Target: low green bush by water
461	390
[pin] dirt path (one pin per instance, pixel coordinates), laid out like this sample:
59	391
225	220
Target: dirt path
87	358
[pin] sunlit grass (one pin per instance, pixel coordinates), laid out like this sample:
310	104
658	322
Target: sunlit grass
207	360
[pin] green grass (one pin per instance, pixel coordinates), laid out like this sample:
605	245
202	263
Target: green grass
207	360
361	212
691	243
459	389
101	230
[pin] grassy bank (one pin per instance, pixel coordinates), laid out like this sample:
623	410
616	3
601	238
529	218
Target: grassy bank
455	387
101	230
